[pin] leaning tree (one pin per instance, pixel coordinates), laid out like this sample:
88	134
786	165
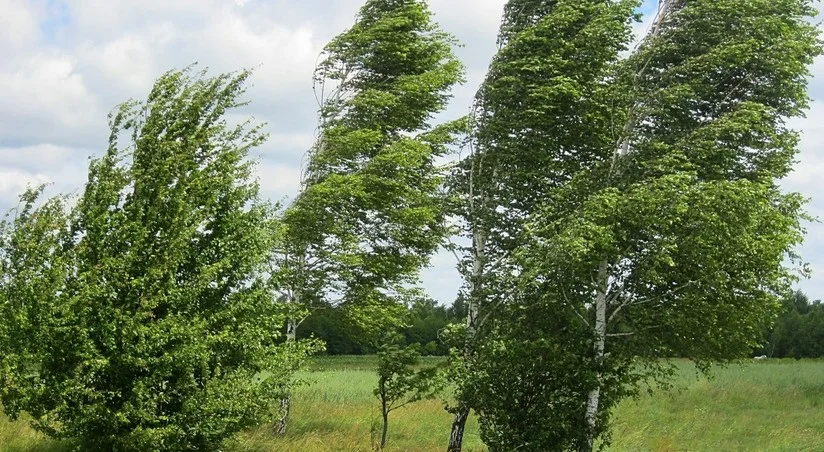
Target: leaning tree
151	324
537	119
651	224
370	212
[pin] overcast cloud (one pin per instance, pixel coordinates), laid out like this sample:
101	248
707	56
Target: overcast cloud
64	64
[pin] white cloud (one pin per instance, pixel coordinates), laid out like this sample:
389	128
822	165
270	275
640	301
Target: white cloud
13	182
44	97
811	167
128	59
19	24
278	181
43	156
103	18
442	279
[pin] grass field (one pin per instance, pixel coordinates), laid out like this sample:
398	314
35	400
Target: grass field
777	405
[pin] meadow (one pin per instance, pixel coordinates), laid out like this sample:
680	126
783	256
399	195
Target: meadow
772	405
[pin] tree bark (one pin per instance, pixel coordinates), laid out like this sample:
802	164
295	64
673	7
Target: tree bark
291	330
458	426
285	402
385	427
594	396
476	283
473	313
280	425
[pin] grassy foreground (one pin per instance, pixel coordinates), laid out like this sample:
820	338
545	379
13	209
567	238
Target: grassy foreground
776	405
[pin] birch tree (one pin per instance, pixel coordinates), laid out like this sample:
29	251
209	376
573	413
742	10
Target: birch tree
669	237
370	212
536	120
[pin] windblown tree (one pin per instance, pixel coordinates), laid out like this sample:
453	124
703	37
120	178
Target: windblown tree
370	212
537	121
159	329
662	231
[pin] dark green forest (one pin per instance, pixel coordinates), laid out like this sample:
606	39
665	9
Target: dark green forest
425	322
798	331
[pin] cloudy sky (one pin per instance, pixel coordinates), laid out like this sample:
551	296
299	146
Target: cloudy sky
64	64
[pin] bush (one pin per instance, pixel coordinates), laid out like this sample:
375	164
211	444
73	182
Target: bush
144	320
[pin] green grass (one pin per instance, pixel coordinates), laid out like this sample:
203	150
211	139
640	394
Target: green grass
759	406
777	405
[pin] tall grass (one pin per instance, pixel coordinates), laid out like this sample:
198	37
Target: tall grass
777	405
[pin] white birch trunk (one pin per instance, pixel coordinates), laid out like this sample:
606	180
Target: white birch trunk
594	397
291	336
472	316
665	9
473	308
291	329
286	401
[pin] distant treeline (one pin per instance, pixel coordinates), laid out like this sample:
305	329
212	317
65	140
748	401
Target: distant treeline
425	319
799	330
797	333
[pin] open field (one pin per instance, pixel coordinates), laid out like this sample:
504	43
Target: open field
777	405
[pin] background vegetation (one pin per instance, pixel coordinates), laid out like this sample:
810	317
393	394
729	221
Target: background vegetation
797	333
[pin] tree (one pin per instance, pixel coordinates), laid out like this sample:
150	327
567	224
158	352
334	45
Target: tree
661	230
370	213
399	383
160	330
425	323
426	320
536	122
333	328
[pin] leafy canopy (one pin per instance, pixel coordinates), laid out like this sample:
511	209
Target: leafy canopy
639	209
370	213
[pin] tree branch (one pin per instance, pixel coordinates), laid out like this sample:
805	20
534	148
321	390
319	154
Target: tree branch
630	333
574	309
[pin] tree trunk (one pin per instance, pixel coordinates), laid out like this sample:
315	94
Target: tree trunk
291	330
476	283
458	426
665	9
285	402
385	427
594	397
280	425
472	317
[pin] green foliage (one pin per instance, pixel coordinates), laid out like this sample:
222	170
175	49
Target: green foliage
399	383
370	213
541	116
798	331
33	262
425	321
334	328
740	408
159	332
633	200
516	371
